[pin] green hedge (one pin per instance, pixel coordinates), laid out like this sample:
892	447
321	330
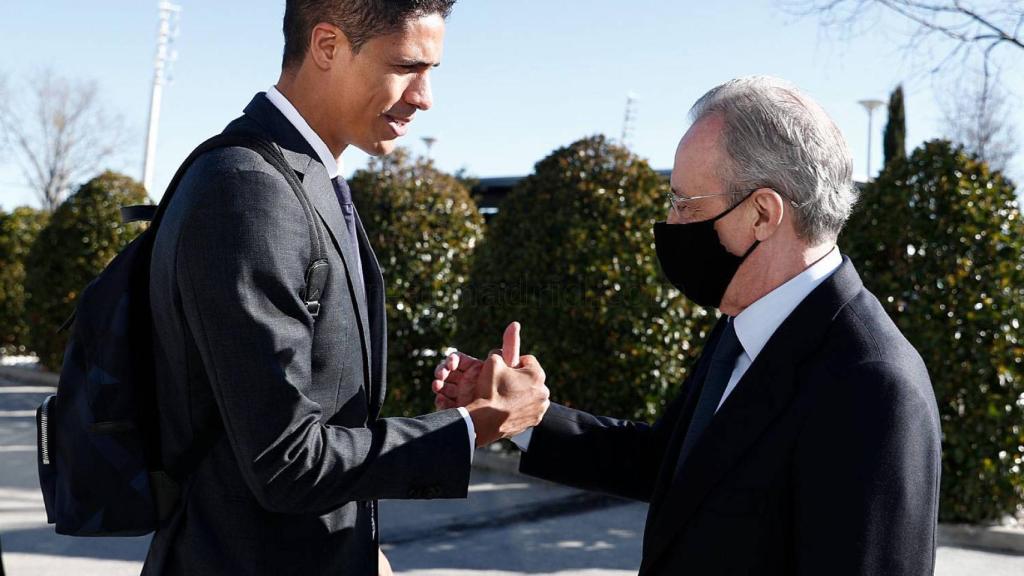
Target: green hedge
424	227
571	256
18	231
82	237
939	239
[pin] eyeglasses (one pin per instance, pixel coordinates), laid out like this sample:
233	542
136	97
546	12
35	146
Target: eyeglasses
680	203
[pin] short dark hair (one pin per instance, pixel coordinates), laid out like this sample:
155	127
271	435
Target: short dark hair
360	20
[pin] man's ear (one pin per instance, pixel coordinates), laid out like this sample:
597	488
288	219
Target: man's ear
328	45
770	209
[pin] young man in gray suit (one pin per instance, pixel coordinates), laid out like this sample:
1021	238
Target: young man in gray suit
806	440
270	412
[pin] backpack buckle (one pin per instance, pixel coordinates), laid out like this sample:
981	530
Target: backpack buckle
313	307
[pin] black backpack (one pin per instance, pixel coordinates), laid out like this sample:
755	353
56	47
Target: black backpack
99	441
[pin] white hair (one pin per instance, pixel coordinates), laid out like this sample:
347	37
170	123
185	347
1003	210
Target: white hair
778	138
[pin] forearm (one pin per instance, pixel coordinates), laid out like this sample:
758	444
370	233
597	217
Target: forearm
316	468
577	449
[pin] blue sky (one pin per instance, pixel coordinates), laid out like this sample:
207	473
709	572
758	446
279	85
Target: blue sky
518	79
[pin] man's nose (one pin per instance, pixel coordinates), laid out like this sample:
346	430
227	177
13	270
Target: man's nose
418	94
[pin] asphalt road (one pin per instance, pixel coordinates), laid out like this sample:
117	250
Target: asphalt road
509	526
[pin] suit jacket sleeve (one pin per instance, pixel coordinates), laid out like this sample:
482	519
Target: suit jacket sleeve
867	475
618	457
241	261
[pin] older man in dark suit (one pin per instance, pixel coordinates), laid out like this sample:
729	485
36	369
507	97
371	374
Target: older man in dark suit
272	409
806	440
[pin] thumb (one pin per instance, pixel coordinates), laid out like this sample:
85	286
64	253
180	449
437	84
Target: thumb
510	345
529	363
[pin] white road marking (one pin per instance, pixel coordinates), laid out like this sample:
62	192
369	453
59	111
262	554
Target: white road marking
17	413
28	390
491	487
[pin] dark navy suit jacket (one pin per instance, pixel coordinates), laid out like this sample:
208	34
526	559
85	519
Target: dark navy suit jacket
824	460
290	403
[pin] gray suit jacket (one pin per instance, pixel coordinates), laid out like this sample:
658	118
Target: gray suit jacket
280	410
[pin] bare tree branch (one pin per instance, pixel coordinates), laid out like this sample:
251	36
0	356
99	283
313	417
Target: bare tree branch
985	25
978	111
998	32
67	136
977	116
901	7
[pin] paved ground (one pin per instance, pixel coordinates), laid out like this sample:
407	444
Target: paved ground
509	526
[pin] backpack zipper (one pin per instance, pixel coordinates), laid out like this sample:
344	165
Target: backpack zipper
44	436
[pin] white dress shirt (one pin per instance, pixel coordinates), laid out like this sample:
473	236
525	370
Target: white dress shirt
759	321
334	167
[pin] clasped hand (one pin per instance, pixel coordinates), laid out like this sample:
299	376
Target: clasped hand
504	393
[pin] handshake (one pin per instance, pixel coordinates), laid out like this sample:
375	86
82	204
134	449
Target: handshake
504	394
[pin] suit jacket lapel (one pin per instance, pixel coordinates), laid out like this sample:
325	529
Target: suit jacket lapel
378	318
325	201
317	183
691	388
760	397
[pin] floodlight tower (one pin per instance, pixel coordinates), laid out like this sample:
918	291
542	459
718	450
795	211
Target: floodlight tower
170	18
629	120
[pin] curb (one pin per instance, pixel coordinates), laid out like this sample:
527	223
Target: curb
497	459
29	376
991	538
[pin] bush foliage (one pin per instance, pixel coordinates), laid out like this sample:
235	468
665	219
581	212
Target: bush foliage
82	237
571	256
424	227
18	231
939	239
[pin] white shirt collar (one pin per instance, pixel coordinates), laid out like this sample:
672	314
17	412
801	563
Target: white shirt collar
756	324
334	165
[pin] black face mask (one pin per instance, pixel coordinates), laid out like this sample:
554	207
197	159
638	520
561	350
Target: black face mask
694	260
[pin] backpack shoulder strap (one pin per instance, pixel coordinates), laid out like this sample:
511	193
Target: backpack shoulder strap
137	213
317	270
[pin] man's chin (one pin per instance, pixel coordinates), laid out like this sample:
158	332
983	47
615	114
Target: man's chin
379	148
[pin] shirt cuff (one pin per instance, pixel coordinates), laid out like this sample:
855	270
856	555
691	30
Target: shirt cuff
522	440
472	431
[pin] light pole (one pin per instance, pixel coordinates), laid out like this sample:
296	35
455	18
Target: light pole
168	31
429	141
870	106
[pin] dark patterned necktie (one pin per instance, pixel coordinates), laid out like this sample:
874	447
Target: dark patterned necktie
349	211
723	360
